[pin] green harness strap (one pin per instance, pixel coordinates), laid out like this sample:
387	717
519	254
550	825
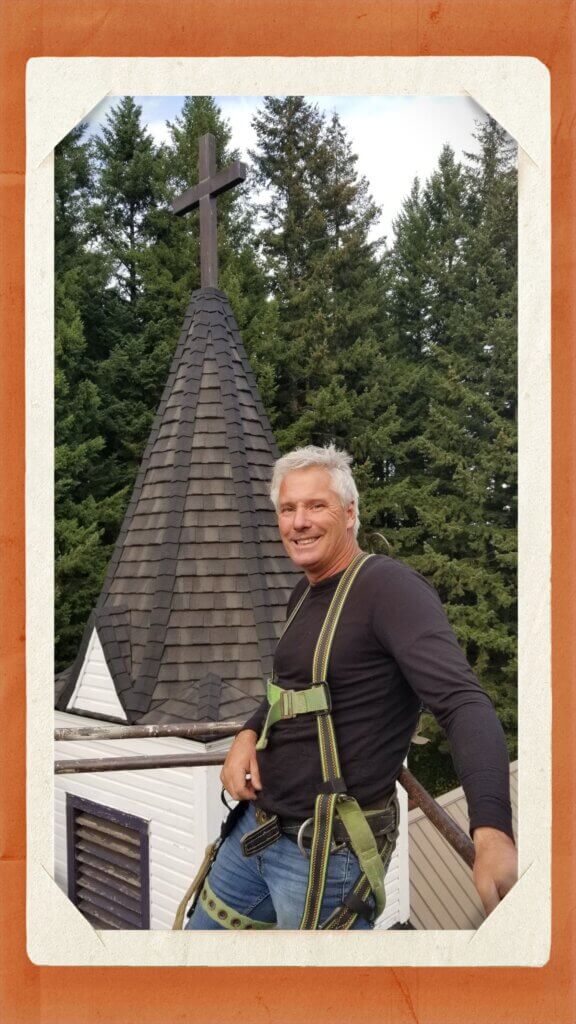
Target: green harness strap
289	703
226	916
334	799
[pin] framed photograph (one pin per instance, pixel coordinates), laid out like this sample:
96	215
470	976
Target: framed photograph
61	92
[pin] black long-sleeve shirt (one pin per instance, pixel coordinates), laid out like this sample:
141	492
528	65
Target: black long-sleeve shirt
393	650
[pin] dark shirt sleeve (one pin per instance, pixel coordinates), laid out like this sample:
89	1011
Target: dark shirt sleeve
412	625
256	721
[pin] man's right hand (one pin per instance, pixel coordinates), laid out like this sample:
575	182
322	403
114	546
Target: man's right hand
240	776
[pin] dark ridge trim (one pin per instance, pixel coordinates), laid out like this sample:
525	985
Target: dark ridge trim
209	695
154	431
116	653
68	690
243	488
251	381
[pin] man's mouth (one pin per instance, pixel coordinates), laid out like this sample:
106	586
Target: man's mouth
305	541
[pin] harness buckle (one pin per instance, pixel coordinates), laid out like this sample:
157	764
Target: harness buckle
300	839
287	704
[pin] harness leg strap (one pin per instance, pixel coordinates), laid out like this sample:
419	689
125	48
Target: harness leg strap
197	881
364	845
226	916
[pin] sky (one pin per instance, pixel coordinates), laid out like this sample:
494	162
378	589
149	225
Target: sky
396	138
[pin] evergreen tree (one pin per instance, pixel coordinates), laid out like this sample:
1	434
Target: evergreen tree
288	164
460	446
127	192
72	183
79	563
79	518
326	283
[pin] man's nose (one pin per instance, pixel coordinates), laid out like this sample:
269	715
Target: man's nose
301	518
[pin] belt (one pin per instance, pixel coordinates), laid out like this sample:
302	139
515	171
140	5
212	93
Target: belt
380	822
381	819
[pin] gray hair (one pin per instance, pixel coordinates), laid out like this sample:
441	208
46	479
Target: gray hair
337	463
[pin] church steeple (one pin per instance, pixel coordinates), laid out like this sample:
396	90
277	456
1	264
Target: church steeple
197	586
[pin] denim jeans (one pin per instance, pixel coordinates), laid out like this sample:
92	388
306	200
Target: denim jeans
271	886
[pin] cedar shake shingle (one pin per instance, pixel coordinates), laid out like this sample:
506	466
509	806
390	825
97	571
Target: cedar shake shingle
194	598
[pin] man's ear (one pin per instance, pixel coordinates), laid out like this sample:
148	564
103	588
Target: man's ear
350	515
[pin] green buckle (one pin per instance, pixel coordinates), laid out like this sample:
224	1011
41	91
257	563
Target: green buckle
287	702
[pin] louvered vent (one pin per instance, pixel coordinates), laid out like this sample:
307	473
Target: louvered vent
108	865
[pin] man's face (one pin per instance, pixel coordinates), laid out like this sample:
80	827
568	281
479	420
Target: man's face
317	532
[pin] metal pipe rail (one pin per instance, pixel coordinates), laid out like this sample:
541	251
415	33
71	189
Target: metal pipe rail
213	730
436	814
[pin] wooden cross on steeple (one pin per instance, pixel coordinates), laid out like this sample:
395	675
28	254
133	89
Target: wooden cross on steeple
211	183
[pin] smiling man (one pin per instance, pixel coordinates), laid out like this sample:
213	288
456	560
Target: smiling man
366	644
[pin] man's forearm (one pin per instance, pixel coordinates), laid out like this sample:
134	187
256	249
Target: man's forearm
480	756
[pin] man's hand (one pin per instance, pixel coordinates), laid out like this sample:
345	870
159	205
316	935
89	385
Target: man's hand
240	776
495	865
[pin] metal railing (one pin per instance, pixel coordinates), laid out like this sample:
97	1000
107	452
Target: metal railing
207	731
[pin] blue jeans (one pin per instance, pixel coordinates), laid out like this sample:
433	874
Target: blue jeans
271	886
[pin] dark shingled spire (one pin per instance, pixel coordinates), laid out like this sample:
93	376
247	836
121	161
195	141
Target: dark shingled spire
197	586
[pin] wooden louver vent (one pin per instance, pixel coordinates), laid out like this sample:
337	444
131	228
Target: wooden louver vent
108	865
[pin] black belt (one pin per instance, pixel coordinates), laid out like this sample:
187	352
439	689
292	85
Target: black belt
380	823
382	820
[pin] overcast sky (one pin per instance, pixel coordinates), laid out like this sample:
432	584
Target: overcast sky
396	138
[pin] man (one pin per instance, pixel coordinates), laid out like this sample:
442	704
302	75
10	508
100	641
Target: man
393	650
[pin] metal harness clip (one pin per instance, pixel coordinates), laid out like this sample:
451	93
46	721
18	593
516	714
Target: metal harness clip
300	839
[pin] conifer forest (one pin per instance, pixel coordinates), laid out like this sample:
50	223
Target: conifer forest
402	350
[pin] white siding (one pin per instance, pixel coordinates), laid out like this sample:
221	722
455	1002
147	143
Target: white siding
174	800
397	909
95	690
442	891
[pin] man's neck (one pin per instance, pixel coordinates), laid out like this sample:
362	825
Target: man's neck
337	566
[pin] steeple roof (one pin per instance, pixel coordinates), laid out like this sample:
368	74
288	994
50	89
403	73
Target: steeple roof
197	586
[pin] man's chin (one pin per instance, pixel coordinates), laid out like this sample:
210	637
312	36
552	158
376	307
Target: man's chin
307	555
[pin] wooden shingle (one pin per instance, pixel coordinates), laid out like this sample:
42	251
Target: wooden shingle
193	600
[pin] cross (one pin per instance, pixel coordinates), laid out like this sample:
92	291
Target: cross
211	183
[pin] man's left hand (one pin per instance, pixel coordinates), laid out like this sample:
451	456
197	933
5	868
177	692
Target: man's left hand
495	865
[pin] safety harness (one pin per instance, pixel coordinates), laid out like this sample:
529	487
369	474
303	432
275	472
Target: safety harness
332	804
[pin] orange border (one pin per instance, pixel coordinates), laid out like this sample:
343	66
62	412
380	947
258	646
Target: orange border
124	28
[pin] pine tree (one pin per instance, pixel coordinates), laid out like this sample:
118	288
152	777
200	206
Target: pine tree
288	164
79	518
326	283
79	563
462	288
493	183
127	193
